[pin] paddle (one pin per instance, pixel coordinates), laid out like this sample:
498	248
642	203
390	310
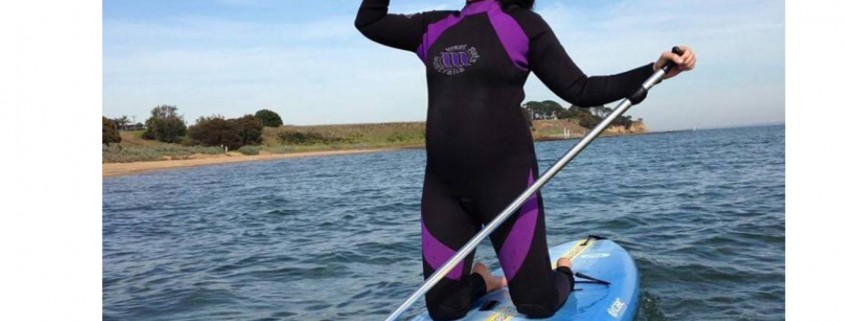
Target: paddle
635	98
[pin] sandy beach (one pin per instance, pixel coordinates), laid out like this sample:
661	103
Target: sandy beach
122	169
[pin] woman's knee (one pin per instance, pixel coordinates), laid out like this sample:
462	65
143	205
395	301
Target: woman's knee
542	302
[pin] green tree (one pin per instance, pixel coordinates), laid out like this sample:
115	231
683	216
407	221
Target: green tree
622	121
110	133
531	108
250	128
543	110
269	118
165	125
564	113
601	111
587	120
576	111
121	122
552	108
214	131
233	133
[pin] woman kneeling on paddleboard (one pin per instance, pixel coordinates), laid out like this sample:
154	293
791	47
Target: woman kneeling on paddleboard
480	153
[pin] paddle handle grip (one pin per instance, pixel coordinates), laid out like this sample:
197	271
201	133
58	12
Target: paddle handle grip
671	64
641	92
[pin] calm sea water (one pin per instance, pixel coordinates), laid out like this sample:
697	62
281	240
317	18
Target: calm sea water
337	238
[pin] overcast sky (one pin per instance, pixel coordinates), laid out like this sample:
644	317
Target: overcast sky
305	59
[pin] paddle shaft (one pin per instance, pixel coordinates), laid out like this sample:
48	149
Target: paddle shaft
624	105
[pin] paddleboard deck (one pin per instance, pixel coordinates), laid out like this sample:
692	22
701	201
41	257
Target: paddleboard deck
600	259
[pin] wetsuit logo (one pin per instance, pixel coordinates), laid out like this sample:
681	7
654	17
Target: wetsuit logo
455	59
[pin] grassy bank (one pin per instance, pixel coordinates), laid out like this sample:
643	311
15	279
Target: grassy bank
287	139
281	140
133	148
299	139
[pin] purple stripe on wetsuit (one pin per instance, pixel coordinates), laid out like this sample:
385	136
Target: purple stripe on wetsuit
510	33
436	254
513	252
434	31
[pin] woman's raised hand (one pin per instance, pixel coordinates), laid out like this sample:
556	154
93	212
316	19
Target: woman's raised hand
685	62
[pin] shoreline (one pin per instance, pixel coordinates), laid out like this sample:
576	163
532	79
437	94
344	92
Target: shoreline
136	168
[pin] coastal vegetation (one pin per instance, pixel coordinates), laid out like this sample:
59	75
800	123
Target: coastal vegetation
587	117
110	132
165	136
165	125
269	118
231	133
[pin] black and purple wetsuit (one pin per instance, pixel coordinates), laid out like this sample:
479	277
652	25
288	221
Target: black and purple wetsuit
479	146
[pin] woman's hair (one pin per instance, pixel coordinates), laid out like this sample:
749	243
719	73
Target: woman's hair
525	4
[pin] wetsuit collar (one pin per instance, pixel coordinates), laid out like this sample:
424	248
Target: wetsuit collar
479	7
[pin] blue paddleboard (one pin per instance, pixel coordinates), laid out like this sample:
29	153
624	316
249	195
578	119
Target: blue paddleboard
600	259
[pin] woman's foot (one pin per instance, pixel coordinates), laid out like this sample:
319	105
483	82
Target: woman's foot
493	282
563	262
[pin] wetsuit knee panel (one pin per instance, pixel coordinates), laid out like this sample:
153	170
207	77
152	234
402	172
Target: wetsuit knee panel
548	307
